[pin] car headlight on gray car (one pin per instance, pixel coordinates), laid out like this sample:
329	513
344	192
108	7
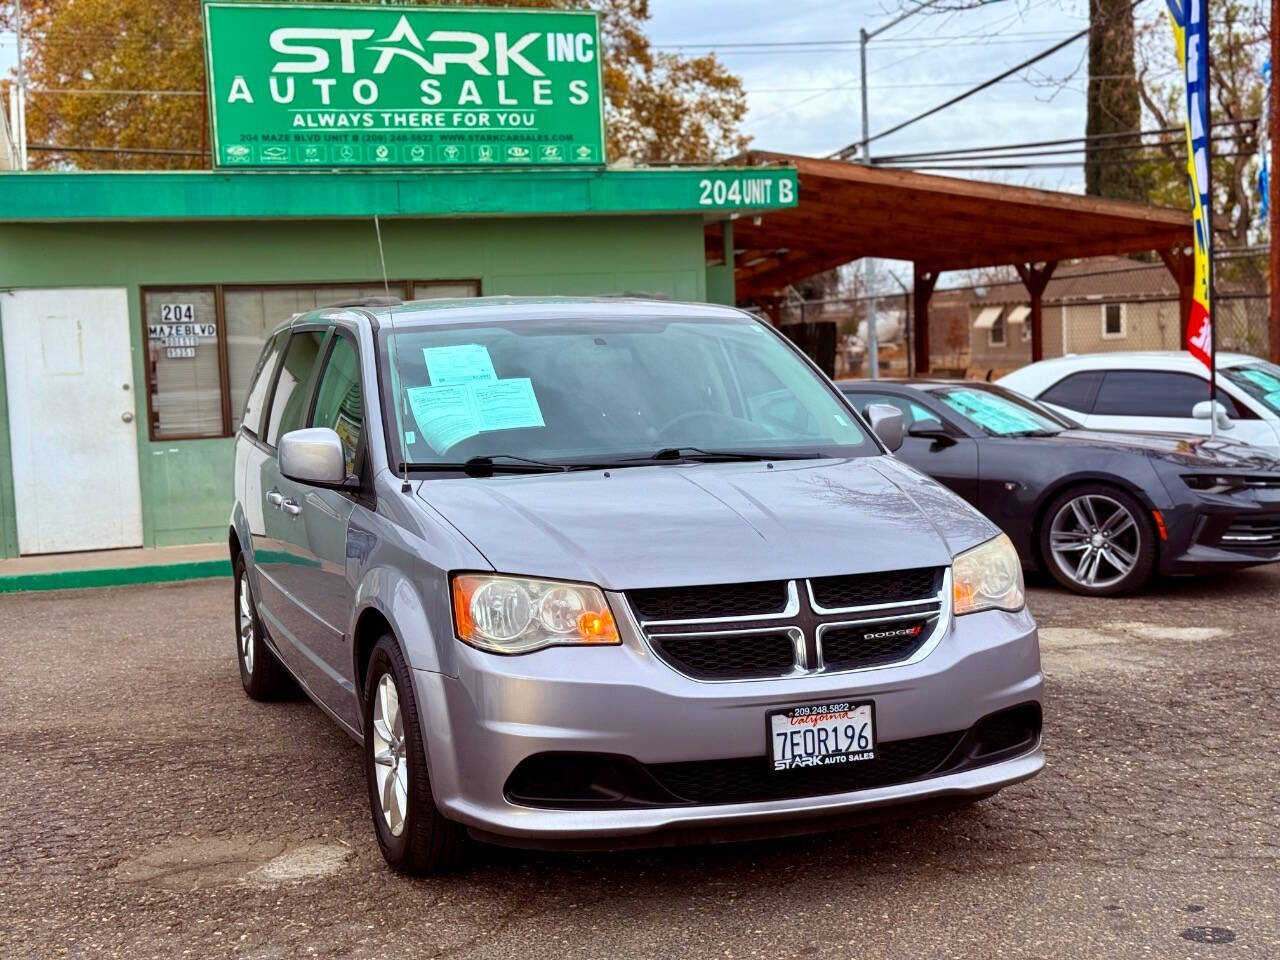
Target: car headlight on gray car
988	577
520	615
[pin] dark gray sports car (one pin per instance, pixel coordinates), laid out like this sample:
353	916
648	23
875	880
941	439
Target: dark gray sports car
1101	511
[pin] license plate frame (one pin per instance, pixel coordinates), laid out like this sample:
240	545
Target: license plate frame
814	712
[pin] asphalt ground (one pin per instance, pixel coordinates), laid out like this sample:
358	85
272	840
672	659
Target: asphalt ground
149	809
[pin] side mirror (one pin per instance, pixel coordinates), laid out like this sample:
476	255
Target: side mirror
930	428
886	423
313	456
1212	410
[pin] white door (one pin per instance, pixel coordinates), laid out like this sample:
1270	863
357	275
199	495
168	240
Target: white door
69	379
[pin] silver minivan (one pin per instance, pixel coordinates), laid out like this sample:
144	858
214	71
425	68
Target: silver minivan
598	573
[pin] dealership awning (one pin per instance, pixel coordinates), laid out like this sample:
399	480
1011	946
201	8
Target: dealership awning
987	318
848	211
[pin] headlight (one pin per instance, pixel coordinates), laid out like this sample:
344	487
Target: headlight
988	577
520	615
1209	483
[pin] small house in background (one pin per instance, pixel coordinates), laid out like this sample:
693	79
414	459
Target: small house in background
1090	306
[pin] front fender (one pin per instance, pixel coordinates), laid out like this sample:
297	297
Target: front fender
418	613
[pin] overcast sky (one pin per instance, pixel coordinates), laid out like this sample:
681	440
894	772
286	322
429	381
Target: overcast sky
804	97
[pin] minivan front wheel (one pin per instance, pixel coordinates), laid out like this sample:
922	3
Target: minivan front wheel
413	835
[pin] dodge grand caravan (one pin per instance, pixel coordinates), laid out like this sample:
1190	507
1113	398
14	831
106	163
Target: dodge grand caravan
597	573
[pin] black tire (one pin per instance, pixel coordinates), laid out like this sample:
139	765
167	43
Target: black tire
427	842
1137	540
261	673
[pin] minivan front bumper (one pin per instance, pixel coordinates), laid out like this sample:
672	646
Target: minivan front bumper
623	702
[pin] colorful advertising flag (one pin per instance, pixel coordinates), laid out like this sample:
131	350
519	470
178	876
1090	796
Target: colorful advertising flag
1190	21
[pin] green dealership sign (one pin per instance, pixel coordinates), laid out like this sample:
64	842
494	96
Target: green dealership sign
337	85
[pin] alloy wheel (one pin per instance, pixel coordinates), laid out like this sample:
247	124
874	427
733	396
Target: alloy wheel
246	625
1095	540
391	765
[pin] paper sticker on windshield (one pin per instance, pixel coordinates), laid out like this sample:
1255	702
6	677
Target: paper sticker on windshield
1263	379
990	412
463	363
507	404
445	415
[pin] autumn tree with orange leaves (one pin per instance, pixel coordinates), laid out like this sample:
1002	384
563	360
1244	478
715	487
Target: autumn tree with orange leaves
660	107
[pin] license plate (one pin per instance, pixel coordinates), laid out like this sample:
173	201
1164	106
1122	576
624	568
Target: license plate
820	734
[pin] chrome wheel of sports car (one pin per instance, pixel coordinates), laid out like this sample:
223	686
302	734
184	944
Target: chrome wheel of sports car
390	763
1095	540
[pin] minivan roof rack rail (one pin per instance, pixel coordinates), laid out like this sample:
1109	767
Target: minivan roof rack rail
365	302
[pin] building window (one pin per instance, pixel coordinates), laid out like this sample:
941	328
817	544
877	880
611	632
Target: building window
203	343
184	362
995	336
1113	321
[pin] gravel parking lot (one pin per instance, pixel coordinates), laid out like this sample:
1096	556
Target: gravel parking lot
149	809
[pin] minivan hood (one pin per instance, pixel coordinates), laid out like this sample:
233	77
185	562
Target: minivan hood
687	524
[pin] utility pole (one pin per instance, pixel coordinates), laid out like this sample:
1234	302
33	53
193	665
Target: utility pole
864	156
1273	198
20	121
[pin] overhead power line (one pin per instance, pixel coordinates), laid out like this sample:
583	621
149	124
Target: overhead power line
158	151
1051	164
845	151
128	93
1093	137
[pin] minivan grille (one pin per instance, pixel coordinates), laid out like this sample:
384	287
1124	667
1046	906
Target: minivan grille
898	586
779	628
859	646
729	656
719	600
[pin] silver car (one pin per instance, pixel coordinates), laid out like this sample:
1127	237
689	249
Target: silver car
599	573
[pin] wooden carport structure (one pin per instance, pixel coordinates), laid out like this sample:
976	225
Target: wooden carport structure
847	211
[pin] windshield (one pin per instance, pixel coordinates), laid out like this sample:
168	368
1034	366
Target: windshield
1001	413
590	391
1259	380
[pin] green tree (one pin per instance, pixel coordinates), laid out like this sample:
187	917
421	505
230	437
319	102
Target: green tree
1112	104
660	107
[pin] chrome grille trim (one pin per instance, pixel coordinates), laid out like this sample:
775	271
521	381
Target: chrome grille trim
787	613
936	609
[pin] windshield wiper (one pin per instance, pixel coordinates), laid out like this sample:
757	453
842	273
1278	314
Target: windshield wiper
489	465
698	455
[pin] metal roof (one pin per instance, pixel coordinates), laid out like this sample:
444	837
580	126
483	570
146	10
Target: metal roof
848	211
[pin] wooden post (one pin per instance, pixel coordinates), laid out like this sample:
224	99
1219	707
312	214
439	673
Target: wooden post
1035	279
1182	264
925	280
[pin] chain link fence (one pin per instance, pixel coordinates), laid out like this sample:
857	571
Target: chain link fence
983	329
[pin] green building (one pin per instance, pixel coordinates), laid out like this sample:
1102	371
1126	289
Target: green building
133	305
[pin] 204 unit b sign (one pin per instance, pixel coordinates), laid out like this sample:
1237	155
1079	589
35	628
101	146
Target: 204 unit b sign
329	85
